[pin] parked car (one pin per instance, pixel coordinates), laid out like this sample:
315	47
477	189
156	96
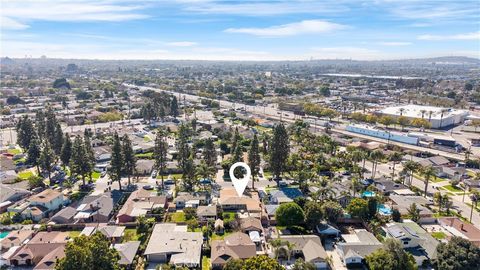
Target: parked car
148	187
154	173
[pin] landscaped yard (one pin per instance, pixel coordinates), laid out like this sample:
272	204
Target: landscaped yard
25	174
96	175
73	234
130	235
148	155
178	217
14	151
439	235
433	179
219	236
452	188
205	263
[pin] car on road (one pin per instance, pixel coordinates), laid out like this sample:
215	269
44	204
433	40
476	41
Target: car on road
169	182
148	187
154	173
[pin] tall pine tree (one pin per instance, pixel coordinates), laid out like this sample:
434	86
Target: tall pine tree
279	150
129	159
47	159
66	151
160	154
209	153
116	162
254	159
174	107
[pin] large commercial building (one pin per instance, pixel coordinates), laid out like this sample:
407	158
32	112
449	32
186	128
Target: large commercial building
382	134
437	116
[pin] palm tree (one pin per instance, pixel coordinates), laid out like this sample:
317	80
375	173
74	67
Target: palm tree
441	116
277	245
354	185
427	172
430	116
376	156
468	152
414	212
401	110
423	113
411	166
289	248
204	171
395	157
475	197
324	191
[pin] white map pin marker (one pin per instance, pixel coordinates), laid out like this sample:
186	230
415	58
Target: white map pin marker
240	184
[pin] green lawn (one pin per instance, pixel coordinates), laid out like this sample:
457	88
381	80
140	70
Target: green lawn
96	175
23	160
25	174
146	138
219	236
173	175
439	235
205	263
452	188
178	217
434	179
73	234
130	235
14	151
148	155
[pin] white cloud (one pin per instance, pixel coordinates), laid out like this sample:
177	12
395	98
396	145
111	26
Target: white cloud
465	36
395	43
182	44
297	28
266	8
25	11
10	24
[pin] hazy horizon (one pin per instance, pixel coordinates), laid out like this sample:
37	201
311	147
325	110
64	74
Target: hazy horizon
240	30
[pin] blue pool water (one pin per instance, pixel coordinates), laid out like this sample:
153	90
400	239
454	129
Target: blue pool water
384	210
3	234
368	193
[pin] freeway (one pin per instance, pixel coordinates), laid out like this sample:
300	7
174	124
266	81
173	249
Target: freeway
272	112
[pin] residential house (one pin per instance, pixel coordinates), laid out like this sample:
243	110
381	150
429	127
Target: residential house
457	227
271	209
326	229
112	232
144	166
249	202
205	213
15	238
173	244
38	248
10	195
49	261
402	203
127	252
414	239
387	187
42	204
97	208
185	199
140	202
235	246
64	216
309	247
250	224
355	247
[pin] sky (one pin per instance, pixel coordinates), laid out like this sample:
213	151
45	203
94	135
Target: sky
240	30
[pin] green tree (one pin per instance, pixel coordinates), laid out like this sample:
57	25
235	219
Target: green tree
174	107
116	162
261	262
86	253
414	212
279	150
395	158
372	207
209	153
289	214
332	210
129	159
78	158
387	120
160	154
391	256
254	159
25	132
313	214
300	264
89	159
358	208
375	157
47	159
457	254
35	181
57	139
66	152
189	177
33	154
428	173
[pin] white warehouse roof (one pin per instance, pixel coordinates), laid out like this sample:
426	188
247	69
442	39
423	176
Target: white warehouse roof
415	111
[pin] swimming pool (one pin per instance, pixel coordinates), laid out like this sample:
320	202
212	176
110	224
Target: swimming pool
3	234
368	193
384	210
